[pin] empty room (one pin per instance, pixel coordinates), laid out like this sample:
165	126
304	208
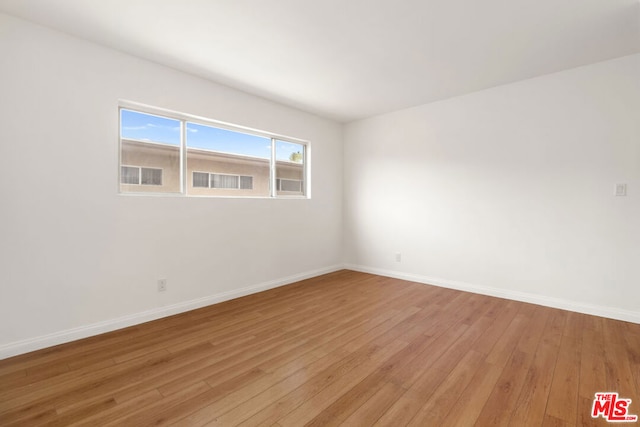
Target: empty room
289	213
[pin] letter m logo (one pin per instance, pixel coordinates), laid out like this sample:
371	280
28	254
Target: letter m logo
602	405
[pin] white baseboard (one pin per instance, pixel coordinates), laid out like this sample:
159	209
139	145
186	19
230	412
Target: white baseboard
595	310
32	344
25	346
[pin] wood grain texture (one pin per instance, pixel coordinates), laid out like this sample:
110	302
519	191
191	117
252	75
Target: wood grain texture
345	348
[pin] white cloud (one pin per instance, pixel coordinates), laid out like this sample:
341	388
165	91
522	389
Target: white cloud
153	125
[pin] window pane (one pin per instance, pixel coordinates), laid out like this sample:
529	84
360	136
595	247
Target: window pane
151	176
224	181
151	143
246	182
201	180
290	164
235	160
148	127
129	175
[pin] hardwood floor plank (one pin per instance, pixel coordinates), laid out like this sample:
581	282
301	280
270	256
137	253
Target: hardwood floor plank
440	401
619	375
505	312
223	405
470	402
74	385
11	380
313	385
254	409
165	410
632	343
531	404
502	399
347	362
512	335
435	368
357	395
207	414
551	421
422	375
563	395
123	408
39	417
371	410
313	406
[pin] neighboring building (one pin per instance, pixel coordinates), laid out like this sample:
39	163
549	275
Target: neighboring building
151	167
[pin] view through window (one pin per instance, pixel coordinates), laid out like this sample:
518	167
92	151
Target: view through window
164	154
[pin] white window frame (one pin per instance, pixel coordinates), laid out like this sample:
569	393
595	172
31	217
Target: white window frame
184	118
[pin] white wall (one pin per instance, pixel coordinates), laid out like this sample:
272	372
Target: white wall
508	191
77	258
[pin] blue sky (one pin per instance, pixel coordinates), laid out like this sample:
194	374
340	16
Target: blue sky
146	127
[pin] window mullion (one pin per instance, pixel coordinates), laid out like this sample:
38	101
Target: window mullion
272	169
183	157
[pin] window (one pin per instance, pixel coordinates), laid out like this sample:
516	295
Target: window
176	153
246	182
224	181
150	176
214	180
201	180
137	175
291	185
130	175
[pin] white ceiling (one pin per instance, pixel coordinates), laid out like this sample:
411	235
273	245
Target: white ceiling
350	59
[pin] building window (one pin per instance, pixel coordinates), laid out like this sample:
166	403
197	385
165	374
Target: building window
201	179
150	176
130	175
289	185
137	175
224	181
216	180
177	153
246	182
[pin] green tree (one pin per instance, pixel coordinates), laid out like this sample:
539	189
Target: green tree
296	157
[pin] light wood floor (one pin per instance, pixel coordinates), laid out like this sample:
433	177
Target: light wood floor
345	348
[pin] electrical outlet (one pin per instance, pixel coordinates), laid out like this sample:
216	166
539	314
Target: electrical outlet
621	190
162	285
398	257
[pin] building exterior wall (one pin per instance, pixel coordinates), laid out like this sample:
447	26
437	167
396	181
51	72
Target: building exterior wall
167	158
258	169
